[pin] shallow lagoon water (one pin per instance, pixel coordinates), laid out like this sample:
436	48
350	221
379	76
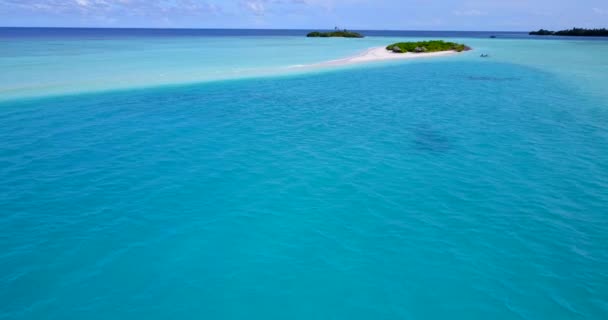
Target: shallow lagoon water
66	62
455	187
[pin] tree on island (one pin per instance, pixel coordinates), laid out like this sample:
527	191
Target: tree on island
336	33
576	32
426	46
542	32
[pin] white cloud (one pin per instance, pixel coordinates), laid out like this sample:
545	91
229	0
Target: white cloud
128	7
263	7
258	7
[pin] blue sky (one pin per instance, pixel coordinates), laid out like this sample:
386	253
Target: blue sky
353	14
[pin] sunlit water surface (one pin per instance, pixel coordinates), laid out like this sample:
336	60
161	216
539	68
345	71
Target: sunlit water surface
448	188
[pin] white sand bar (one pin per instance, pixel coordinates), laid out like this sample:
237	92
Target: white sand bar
377	54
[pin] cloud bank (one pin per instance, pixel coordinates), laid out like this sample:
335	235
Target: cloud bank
306	14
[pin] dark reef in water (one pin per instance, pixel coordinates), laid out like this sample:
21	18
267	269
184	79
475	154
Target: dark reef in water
428	139
489	78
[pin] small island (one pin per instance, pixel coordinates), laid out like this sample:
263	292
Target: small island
335	34
574	32
426	46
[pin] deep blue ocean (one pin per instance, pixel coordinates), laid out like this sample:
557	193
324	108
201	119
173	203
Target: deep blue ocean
79	33
448	188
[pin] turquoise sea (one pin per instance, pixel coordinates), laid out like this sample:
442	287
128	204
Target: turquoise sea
199	175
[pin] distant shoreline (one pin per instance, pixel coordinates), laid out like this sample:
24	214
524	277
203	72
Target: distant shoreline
574	32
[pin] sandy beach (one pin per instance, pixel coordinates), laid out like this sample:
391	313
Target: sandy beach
377	54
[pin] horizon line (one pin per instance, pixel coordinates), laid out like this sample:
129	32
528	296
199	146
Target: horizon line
294	29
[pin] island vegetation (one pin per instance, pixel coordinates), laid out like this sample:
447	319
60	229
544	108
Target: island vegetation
336	33
576	32
427	46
